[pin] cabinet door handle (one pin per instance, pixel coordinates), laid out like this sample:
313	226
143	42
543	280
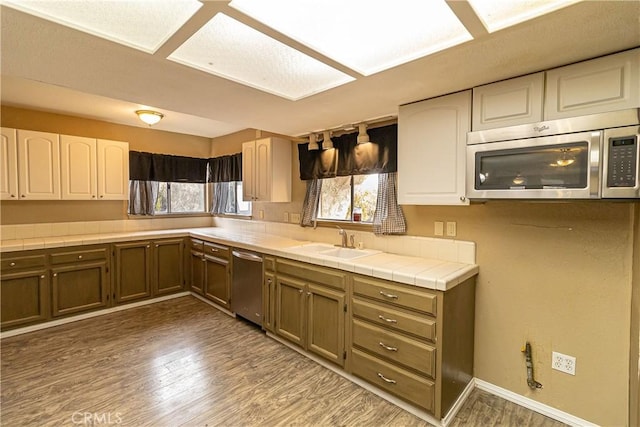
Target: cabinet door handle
101	196
308	294
300	290
13	264
148	246
55	274
386	347
386	295
387	380
93	196
79	256
157	246
269	281
13	195
381	317
22	196
42	277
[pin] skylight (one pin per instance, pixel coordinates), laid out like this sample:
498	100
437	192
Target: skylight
230	49
366	36
144	25
499	14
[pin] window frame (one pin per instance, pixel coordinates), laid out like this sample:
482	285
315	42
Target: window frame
206	200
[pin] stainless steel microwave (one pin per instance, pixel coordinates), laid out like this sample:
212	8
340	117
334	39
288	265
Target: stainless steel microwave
587	157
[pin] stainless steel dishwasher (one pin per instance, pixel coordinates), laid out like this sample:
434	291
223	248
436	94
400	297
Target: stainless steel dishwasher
246	285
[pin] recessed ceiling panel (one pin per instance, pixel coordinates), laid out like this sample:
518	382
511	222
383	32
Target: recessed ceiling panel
366	36
230	49
141	24
499	14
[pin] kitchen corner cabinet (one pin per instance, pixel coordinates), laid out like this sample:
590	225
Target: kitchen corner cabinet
79	280
432	138
38	165
24	289
311	309
266	170
508	103
8	165
147	268
600	85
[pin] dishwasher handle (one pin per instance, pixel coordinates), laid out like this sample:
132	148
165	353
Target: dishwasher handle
247	255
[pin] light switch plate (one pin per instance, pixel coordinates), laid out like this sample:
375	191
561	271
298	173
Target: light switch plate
295	218
438	228
451	229
286	217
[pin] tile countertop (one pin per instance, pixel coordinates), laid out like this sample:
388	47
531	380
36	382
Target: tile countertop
423	272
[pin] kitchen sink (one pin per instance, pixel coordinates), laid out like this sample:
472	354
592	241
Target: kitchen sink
328	250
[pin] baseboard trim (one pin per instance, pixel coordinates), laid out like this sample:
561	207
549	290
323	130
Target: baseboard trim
64	321
214	305
458	403
533	405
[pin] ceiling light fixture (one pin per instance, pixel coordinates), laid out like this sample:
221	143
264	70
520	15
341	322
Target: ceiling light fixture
326	142
313	142
149	117
363	136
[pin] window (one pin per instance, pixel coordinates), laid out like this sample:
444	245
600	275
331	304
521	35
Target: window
341	195
180	197
227	199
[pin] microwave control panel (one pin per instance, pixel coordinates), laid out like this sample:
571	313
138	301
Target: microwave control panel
623	155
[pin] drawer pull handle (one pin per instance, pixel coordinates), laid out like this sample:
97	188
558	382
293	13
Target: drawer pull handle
13	264
387	380
381	317
386	347
214	250
386	295
79	256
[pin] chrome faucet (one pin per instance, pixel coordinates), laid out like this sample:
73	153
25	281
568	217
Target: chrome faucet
343	234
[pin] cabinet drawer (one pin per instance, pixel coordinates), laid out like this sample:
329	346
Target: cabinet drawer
79	256
218	251
17	263
403	296
413	388
393	346
320	275
269	263
197	245
384	315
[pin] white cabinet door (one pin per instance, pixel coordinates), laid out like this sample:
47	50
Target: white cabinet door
249	192
38	165
266	170
9	165
432	139
604	84
113	170
78	168
508	103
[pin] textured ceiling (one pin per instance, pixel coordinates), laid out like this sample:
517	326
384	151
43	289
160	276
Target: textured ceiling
50	67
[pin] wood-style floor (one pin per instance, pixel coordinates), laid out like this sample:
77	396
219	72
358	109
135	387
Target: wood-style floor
182	362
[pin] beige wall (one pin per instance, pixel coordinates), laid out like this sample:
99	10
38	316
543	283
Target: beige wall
139	139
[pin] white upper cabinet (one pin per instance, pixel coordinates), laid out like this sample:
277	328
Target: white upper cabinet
113	170
266	170
432	137
78	168
8	165
600	85
38	165
509	102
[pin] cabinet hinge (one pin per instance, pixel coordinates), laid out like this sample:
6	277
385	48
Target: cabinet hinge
345	308
344	355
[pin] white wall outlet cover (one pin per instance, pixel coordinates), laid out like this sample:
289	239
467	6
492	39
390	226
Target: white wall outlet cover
563	363
438	228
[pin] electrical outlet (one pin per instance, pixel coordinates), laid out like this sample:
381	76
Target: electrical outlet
286	217
261	214
295	218
438	228
451	229
563	363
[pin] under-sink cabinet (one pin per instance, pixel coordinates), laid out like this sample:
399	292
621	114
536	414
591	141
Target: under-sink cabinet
310	308
211	271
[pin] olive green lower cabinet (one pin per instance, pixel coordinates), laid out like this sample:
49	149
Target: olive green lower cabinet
24	289
146	269
79	280
413	343
310	308
211	271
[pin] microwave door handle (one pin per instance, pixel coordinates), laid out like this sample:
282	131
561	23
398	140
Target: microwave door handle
595	160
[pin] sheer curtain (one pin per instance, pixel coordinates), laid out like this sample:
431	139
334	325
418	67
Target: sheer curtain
224	172
142	197
311	203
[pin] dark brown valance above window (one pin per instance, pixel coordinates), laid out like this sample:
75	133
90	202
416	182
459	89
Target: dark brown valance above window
226	168
166	168
349	158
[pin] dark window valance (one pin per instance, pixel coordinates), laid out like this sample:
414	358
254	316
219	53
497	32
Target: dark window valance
166	168
226	168
349	158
